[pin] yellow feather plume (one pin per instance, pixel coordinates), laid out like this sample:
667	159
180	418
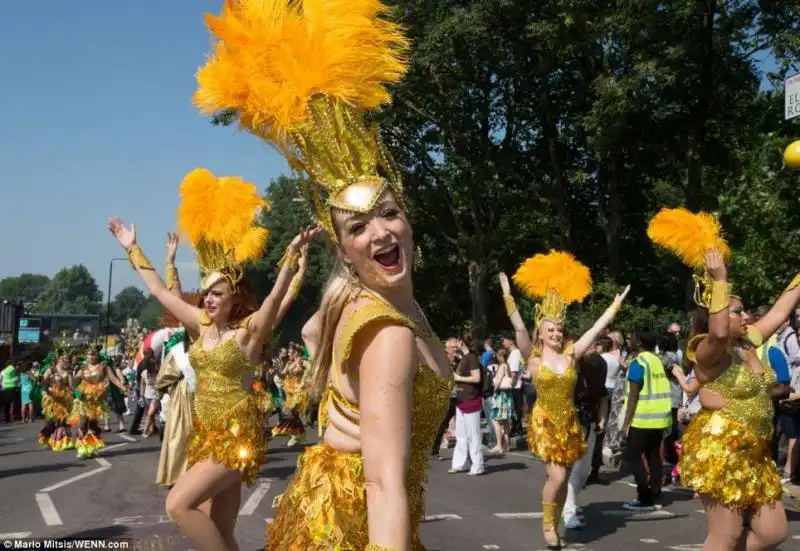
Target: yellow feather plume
273	56
688	235
555	272
220	216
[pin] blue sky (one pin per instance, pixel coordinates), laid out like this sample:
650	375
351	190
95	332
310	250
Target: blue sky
98	121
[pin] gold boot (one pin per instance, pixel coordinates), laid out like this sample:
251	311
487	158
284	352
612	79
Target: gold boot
550	518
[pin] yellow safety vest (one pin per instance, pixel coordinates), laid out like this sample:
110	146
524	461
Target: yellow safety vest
654	409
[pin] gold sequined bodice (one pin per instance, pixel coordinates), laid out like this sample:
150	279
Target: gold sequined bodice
94	373
554	392
219	371
748	396
59	378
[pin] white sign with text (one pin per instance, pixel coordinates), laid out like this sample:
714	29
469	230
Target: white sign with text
792	97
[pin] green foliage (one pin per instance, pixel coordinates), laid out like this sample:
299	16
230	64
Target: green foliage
128	303
27	287
71	291
150	313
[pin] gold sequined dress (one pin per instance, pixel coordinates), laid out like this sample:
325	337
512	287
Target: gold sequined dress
88	408
555	434
325	506
726	454
56	407
228	421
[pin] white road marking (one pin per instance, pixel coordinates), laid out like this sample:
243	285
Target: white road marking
15	535
660	513
127	437
687	547
648	540
103	462
48	510
520	454
255	498
441	516
518	515
797	537
113	447
74	479
490	546
139	520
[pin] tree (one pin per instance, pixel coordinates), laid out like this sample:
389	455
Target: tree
128	303
25	286
150	313
71	291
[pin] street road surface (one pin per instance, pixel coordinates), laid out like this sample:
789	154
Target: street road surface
48	494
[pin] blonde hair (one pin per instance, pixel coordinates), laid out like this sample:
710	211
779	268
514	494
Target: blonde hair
339	290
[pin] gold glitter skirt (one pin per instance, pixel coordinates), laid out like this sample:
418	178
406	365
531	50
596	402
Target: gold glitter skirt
556	438
325	505
92	403
725	460
57	403
236	441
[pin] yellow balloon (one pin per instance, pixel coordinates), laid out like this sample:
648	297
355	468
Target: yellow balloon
792	156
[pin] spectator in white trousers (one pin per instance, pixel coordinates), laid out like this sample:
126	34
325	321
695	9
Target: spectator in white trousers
468	454
592	406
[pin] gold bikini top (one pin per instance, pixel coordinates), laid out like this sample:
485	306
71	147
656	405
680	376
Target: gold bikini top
553	389
429	388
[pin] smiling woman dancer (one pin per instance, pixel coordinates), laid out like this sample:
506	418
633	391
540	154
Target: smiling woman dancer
725	452
299	74
227	446
554	432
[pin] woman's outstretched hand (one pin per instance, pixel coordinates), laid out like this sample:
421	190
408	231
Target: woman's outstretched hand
715	265
304	237
126	236
172	247
620	297
504	285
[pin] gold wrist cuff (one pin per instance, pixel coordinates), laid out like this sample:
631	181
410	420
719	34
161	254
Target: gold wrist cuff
795	282
720	297
511	306
292	257
376	547
138	259
294	287
172	276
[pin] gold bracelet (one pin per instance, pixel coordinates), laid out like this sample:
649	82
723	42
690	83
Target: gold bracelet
795	282
292	257
138	259
376	547
172	276
720	297
511	306
294	286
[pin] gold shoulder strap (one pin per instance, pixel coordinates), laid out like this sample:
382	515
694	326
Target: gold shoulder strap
372	312
691	348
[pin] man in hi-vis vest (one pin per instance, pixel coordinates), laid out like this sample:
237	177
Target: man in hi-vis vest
648	415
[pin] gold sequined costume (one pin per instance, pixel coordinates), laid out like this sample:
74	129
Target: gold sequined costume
555	434
88	408
324	507
726	454
56	407
228	420
296	403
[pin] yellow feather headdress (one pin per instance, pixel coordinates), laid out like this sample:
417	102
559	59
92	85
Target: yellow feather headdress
219	216
298	74
558	279
688	236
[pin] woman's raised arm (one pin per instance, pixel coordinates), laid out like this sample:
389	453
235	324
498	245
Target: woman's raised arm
588	338
521	334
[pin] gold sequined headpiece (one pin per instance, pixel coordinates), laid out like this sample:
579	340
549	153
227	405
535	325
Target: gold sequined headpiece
300	75
556	278
220	216
689	236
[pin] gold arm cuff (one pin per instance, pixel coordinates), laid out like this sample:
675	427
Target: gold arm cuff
795	282
172	276
294	287
292	257
376	547
138	259
511	306
720	297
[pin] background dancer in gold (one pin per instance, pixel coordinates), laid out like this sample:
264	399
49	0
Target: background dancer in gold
725	454
218	216
555	435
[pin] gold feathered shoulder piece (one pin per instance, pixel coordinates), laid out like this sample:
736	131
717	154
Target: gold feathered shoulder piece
219	216
273	56
688	235
555	272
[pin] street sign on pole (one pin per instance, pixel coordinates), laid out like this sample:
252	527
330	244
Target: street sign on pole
792	97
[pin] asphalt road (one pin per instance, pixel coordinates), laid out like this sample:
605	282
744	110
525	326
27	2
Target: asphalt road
47	494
